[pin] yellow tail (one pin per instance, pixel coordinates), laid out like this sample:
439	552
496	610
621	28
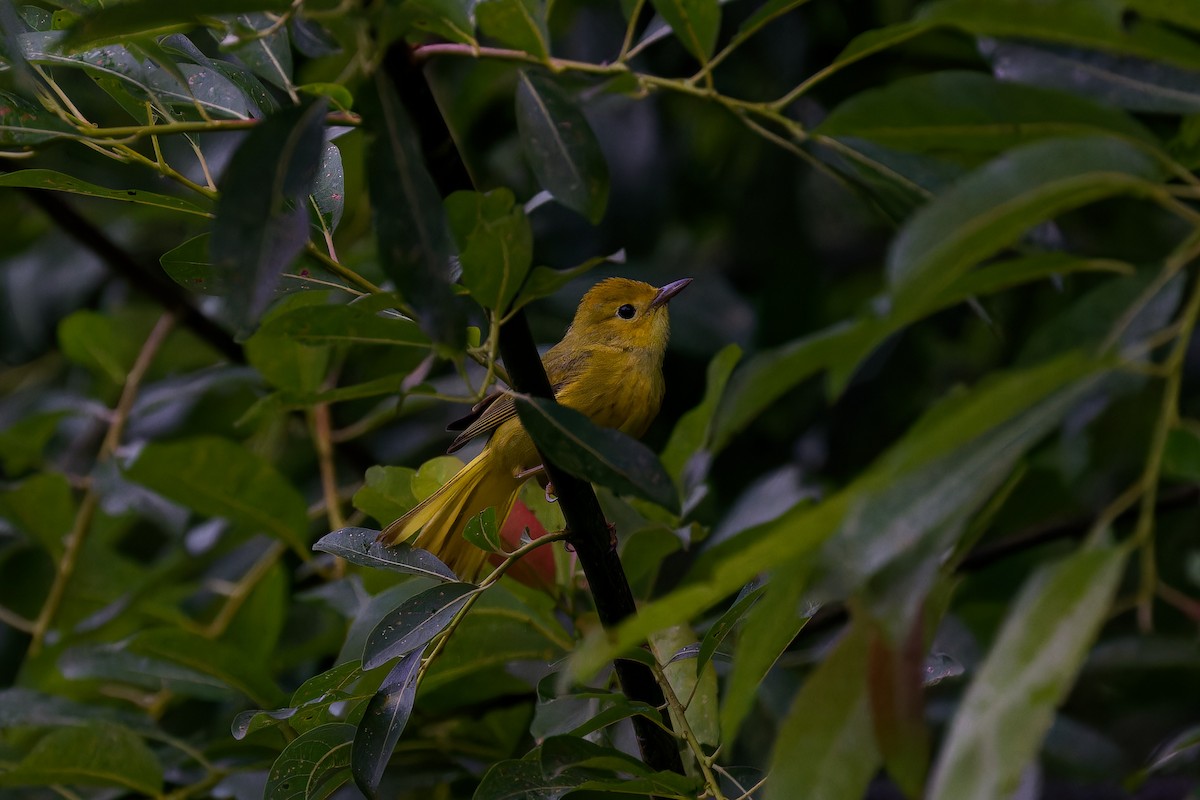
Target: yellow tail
441	517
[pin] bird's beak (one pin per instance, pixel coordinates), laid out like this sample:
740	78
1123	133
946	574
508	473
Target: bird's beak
669	291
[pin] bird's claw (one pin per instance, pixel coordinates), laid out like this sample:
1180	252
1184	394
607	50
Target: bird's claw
551	497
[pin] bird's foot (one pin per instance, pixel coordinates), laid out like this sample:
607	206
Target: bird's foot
551	497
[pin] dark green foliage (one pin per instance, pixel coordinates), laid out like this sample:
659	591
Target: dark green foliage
917	517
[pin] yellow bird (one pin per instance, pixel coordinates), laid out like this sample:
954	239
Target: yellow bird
608	366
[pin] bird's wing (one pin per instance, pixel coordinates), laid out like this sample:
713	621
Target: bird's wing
498	407
488	414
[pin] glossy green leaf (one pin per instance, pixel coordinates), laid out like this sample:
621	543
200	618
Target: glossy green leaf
221	478
969	112
312	766
694	22
93	754
387	493
686	453
328	697
560	146
115	664
135	16
544	281
1010	703
769	627
329	189
483	532
495	244
262	223
727	622
993	206
767	376
223	662
99	343
688	683
1097	25
24	123
386	715
935	475
354	323
414	246
57	181
836	757
361	546
248	722
269	56
43	508
21	707
601	455
415	622
1136	84
519	24
450	19
768	11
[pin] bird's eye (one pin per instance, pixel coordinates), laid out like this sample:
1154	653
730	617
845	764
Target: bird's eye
626	311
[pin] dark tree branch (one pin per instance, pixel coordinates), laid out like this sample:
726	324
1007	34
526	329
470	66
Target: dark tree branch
170	295
589	531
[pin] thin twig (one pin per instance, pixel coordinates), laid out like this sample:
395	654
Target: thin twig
91	498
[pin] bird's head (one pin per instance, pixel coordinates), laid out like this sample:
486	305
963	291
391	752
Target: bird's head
624	313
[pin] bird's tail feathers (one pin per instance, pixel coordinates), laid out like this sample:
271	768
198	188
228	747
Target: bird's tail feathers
437	522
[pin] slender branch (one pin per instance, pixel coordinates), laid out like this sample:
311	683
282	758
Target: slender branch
242	589
91	498
341	271
680	714
154	283
15	621
631	30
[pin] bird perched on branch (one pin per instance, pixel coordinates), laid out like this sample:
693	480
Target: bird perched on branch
608	366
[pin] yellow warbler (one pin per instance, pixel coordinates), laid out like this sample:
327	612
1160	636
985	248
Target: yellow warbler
608	366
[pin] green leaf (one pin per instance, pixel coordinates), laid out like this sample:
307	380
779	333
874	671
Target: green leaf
544	281
933	477
432	474
495	245
313	766
318	698
769	627
1096	25
225	662
560	146
221	478
136	16
519	24
23	442
99	343
282	360
329	189
694	22
248	722
483	532
361	546
970	112
1010	704
386	715
1118	81
990	209
57	181
354	323
262	223
724	626
270	56
43	507
93	754
770	374
449	19
825	747
686	454
770	10
387	494
1181	458
600	455
113	663
1179	12
414	247
415	622
23	123
21	708
697	688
